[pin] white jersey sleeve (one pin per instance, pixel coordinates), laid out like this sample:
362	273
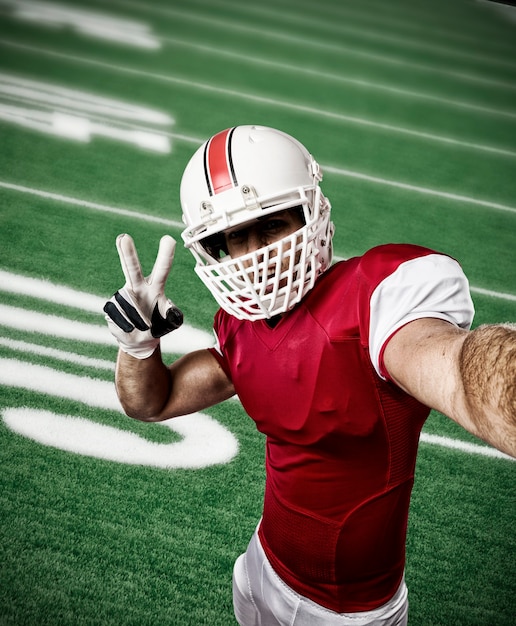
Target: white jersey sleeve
429	286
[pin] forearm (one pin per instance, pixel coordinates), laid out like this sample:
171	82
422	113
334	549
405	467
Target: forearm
150	391
488	370
143	385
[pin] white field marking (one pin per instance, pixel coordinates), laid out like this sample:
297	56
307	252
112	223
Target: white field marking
41	379
93	24
180	225
306	43
204	442
423	190
73	114
274	102
35	423
412	24
67	357
463	446
143	138
341	27
53	325
59	355
92	205
46	290
181	341
81	129
326	168
506	10
339	78
493	294
82	101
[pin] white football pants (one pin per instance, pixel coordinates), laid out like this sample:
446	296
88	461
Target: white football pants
261	598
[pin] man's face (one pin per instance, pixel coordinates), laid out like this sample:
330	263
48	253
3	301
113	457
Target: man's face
261	232
252	236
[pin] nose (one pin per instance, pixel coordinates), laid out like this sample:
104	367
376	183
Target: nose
254	240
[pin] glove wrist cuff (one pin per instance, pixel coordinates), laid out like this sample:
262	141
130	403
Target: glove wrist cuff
142	351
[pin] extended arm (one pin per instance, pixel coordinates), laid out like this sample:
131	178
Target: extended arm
137	316
470	376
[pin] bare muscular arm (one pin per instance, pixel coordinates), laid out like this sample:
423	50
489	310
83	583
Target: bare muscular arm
468	376
150	391
488	369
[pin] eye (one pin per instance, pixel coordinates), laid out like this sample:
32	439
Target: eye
273	225
236	236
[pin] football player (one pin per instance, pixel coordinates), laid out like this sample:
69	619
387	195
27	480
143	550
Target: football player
338	365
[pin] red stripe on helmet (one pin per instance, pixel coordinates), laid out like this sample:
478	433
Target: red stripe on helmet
219	169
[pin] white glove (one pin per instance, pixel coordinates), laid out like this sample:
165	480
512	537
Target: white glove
140	313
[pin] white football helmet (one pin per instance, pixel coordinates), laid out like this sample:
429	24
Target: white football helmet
238	175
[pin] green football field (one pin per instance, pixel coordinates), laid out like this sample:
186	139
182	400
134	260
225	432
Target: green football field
410	108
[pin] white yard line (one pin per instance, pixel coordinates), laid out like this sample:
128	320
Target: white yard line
179	225
269	101
340	78
86	22
493	294
92	205
53	382
416	25
68	357
203	440
306	43
344	27
59	355
424	190
328	169
463	446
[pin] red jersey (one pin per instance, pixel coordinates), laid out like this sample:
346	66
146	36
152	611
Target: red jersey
341	440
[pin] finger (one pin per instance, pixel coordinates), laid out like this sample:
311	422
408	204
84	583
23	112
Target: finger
174	317
129	260
163	263
131	312
171	321
111	311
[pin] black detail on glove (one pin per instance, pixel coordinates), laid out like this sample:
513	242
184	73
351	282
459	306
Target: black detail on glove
162	325
117	317
131	312
159	325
